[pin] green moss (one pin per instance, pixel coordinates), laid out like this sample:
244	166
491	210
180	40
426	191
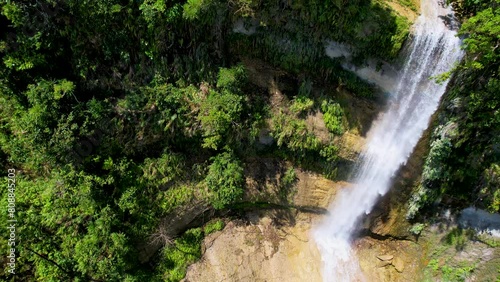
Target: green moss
417	228
213	226
448	273
186	250
397	40
289	177
490	241
445	251
458	237
409	4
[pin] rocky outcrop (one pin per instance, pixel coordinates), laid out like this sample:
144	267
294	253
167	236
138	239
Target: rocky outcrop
314	190
259	250
390	260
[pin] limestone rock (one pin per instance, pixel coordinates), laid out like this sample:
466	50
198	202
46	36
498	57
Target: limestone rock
313	190
383	263
260	251
374	269
398	264
385	257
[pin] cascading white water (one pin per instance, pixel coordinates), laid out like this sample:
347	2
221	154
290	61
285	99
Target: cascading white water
392	138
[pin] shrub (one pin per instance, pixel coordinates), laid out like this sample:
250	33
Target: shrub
217	115
417	228
289	177
232	78
293	133
301	104
305	88
458	237
192	9
330	153
332	115
213	226
434	167
490	190
186	250
225	180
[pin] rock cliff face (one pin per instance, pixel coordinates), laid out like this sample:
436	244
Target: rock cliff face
388	217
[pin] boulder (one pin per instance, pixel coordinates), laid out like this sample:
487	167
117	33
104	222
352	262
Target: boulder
385	257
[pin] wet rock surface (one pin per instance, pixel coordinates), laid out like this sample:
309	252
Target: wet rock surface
480	220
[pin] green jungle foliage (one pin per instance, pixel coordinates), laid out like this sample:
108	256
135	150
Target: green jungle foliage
117	114
225	180
292	36
332	115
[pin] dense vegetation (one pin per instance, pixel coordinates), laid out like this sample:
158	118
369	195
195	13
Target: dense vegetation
119	114
293	36
463	165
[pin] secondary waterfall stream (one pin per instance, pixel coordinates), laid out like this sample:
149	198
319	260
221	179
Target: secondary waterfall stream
434	50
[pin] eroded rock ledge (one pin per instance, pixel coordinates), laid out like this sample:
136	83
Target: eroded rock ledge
260	249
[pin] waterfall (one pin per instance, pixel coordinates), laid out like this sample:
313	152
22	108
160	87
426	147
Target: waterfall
393	136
